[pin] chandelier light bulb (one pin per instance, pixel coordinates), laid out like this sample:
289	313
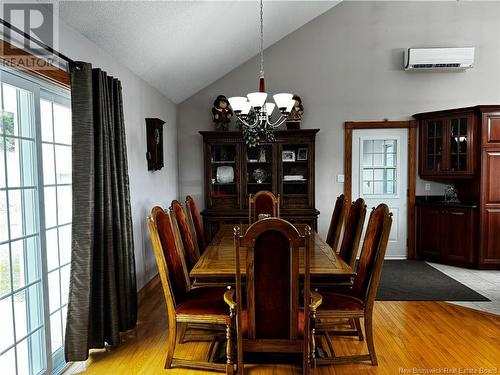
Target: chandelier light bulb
269	108
257	99
282	100
237	103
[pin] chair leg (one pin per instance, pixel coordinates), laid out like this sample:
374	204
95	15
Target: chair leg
182	333
172	336
358	328
369	338
229	342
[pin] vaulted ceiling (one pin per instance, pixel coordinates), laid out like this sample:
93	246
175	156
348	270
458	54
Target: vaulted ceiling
180	47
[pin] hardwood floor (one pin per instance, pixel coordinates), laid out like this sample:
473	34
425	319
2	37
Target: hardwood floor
410	338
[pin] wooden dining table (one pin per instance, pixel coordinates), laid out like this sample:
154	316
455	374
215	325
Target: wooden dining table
216	265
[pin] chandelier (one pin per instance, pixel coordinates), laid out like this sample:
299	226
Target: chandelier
253	111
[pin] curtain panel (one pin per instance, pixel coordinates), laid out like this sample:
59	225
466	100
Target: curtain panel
102	294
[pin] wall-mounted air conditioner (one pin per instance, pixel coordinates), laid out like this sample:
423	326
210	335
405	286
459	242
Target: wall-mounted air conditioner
439	58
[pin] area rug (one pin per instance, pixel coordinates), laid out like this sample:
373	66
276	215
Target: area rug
412	280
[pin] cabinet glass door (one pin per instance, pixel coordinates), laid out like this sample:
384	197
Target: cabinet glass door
295	174
458	144
223	173
259	167
434	157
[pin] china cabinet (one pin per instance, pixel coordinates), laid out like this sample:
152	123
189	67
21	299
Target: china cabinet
447	144
461	147
233	170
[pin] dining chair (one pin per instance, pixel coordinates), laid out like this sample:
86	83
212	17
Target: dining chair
272	320
197	222
263	203
353	229
186	305
336	222
181	224
357	302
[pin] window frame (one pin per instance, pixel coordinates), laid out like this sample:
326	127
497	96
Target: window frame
40	89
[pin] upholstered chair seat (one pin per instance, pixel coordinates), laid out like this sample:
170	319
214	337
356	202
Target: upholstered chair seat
357	299
187	306
203	301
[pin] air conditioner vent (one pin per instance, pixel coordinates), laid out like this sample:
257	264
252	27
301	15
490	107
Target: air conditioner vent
439	58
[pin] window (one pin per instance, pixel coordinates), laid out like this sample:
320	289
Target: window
35	224
379	167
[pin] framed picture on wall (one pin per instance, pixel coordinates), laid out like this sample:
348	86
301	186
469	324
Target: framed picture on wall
302	153
288	155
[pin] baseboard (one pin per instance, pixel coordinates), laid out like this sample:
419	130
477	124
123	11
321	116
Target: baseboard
148	288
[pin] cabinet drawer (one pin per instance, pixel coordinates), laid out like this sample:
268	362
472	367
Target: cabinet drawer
491	129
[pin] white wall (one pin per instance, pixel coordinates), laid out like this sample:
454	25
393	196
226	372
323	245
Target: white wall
140	100
347	66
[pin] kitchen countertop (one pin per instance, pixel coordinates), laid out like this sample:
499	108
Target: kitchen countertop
439	201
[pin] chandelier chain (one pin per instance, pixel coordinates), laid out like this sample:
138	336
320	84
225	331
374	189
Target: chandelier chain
261	38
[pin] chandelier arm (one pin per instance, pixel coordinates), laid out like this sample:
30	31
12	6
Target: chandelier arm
248	125
278	122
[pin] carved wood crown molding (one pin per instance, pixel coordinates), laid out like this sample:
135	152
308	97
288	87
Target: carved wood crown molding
236	136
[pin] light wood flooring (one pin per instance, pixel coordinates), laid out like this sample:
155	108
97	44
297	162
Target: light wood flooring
410	338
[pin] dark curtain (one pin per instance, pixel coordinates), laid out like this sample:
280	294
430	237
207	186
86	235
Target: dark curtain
102	294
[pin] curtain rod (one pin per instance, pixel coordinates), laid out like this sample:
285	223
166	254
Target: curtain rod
38	42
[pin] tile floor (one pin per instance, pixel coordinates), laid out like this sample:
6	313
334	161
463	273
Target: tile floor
486	283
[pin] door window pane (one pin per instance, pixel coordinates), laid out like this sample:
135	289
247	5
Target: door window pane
63	204
8	362
55	331
54	291
6	324
4	270
25	264
62	124
46	120
52	253
4	224
378	170
50	206
63	164
49	172
23	212
65	244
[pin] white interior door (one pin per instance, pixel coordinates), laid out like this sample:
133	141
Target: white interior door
380	175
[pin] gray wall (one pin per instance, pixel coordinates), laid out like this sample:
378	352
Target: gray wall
140	100
347	65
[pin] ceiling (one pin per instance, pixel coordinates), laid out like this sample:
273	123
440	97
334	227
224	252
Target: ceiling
180	47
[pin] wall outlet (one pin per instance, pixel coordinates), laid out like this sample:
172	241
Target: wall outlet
340	178
427	187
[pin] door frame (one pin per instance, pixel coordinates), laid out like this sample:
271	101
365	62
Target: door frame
411	125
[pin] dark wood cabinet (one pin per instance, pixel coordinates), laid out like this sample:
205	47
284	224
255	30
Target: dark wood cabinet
462	147
446	144
232	171
446	234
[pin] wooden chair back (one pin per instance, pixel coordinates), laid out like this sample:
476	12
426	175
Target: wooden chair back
263	202
272	284
353	229
372	255
171	266
197	222
336	222
189	245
